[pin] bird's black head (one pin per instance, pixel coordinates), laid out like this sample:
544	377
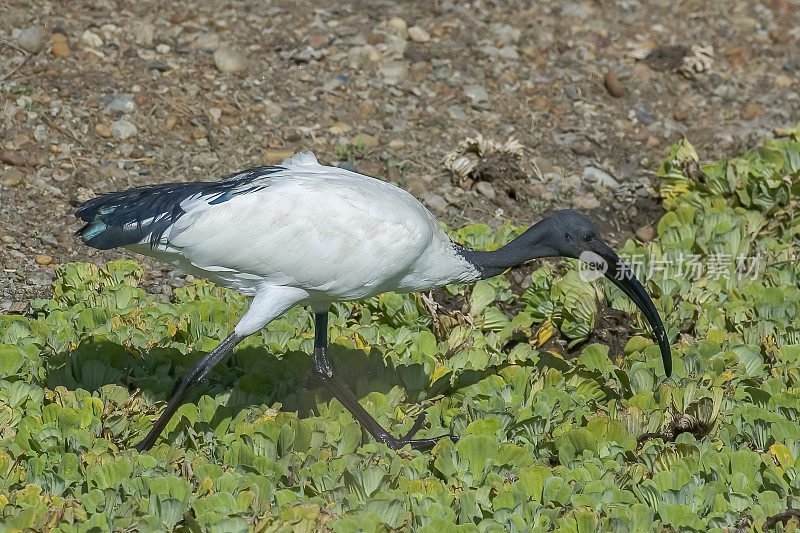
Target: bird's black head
570	234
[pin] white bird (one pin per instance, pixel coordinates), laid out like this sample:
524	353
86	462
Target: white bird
306	234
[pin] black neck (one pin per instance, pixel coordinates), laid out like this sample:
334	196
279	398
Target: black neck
529	245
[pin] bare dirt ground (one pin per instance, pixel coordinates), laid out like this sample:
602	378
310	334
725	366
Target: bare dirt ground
97	96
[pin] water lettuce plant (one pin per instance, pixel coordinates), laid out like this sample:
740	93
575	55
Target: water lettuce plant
565	440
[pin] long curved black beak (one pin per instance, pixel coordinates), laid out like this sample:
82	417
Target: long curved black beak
621	275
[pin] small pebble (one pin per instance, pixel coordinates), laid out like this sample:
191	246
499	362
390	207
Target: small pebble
476	93
122	129
207	42
486	189
782	81
418	35
59	46
369	141
645	233
394	72
435	202
398	27
143	33
585	202
42	259
339	128
92	39
12	178
163	48
273	157
32	39
680	113
613	85
102	130
170	122
122	103
752	111
228	59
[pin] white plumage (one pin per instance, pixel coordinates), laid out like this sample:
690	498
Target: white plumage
313	234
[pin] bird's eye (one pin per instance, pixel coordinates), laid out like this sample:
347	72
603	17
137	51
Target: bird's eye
589	237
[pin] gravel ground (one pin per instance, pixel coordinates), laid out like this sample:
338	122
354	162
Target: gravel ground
99	96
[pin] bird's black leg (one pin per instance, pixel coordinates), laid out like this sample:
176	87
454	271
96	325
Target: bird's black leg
324	370
195	376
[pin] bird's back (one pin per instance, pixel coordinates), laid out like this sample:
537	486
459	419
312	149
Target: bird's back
334	233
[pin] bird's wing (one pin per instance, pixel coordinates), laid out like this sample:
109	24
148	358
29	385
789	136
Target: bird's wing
319	228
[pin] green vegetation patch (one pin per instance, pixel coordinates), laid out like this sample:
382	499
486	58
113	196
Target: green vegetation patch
547	443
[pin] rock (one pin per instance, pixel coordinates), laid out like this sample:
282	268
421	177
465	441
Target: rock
396	144
273	157
59	46
317	41
508	52
122	129
370	167
456	112
163	48
505	34
416	53
92	39
447	6
339	128
752	111
42	259
102	130
416	186
393	72
644	116
541	101
369	141
143	33
12	157
228	59
582	148
680	113
585	202
476	93
418	35
206	42
40	134
398	26
12	178
645	233
348	165
486	189
32	39
122	103
170	122
435	202
782	81
613	85
599	178
363	56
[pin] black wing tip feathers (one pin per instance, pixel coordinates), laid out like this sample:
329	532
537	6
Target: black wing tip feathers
123	218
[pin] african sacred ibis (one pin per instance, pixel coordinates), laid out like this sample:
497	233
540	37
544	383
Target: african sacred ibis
301	233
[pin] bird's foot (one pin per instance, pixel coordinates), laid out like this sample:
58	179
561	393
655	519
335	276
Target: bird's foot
416	444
